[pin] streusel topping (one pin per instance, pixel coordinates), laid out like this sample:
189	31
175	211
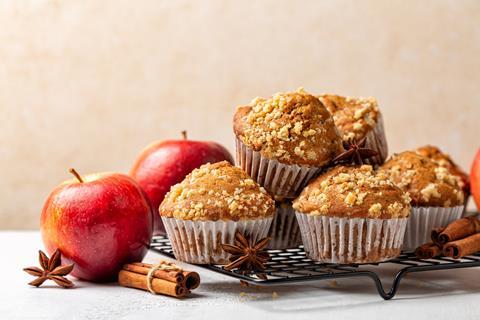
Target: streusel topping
293	128
354	117
444	160
355	192
427	183
217	191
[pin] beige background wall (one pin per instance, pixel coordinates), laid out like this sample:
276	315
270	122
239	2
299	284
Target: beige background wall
89	83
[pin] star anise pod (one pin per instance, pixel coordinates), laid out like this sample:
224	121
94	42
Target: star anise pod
355	152
247	256
52	270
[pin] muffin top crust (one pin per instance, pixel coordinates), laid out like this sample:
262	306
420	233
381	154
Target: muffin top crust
444	160
353	192
292	128
354	117
217	191
428	184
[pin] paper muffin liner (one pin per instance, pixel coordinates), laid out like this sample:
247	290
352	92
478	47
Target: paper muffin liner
465	203
376	140
284	232
200	241
423	219
351	240
280	180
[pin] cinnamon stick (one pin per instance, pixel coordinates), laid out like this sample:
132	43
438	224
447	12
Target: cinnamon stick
159	286
459	229
144	268
428	251
188	279
434	235
463	247
192	279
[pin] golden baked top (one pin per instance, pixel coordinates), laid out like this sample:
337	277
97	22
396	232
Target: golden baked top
217	191
353	192
444	160
292	127
354	117
428	184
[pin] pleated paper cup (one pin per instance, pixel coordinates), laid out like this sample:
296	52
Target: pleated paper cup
351	240
424	219
280	180
376	140
200	241
465	203
284	232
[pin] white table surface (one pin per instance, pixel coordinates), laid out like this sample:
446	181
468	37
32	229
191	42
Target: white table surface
452	294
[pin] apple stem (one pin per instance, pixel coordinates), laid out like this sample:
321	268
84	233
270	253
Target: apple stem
184	134
75	173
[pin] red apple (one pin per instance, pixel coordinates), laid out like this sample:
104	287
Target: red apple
99	222
475	179
165	163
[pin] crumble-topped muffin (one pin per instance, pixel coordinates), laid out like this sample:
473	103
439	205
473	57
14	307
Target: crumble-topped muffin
428	184
444	160
292	128
437	198
209	207
217	191
353	192
352	215
356	119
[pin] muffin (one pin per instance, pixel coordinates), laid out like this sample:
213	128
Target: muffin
437	198
358	118
207	208
444	160
284	232
285	140
352	215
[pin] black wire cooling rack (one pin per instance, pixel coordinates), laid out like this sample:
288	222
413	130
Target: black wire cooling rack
291	266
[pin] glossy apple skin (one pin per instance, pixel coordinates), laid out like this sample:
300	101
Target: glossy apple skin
165	163
99	224
475	179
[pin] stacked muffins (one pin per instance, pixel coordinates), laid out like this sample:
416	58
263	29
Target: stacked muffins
289	185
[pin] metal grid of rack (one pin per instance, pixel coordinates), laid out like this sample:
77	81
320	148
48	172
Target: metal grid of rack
291	266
